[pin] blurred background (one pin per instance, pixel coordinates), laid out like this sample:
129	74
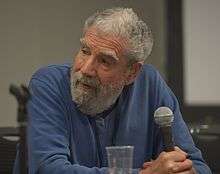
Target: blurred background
186	52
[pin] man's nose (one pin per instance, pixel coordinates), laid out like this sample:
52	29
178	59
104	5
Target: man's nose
89	67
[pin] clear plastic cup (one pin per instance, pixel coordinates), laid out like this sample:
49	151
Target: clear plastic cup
120	159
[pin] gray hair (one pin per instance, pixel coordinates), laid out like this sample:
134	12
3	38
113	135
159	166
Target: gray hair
125	22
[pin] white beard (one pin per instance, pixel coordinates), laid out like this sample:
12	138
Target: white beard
94	100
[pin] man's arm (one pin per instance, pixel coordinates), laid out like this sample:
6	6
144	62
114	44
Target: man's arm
181	134
48	140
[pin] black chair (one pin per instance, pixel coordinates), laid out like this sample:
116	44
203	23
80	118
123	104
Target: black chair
207	138
8	142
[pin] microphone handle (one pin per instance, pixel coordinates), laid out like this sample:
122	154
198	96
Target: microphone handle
167	138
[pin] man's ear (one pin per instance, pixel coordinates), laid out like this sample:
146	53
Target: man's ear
133	72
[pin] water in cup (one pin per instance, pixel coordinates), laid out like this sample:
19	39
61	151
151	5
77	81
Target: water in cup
120	159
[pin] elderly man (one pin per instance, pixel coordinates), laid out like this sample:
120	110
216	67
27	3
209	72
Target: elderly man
106	98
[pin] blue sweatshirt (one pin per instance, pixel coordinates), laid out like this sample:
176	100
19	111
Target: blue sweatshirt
62	140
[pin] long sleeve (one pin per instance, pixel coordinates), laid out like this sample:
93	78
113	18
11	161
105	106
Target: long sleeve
182	137
60	140
47	134
48	141
48	138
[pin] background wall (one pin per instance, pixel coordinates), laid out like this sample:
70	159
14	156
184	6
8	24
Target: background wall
37	33
202	50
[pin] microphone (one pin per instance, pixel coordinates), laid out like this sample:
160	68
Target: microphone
163	116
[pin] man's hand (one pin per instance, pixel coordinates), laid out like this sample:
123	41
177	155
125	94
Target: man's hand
169	163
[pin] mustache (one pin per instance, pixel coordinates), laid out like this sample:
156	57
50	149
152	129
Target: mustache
90	81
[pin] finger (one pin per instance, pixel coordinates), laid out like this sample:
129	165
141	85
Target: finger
182	166
147	164
176	148
187	172
174	156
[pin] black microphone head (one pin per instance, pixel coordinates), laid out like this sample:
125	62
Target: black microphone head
163	116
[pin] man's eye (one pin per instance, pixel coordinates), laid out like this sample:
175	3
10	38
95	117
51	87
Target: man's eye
85	51
106	62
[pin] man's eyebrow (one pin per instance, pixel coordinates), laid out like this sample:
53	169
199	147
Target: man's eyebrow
83	43
109	55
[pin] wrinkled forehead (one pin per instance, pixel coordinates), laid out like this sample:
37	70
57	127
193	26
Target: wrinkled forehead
100	41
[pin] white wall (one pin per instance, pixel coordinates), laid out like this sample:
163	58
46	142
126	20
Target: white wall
41	32
202	52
